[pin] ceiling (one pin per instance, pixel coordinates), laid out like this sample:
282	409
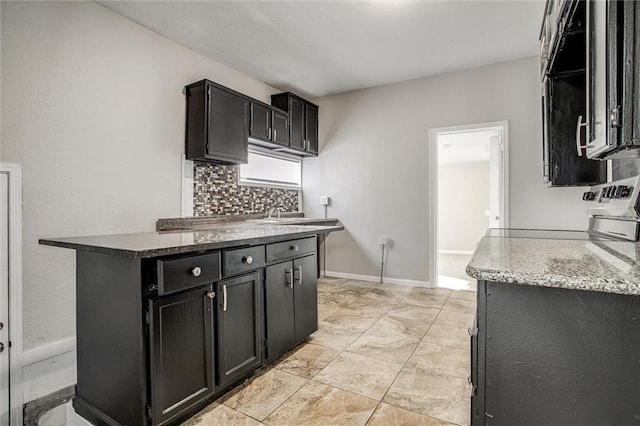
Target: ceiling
468	147
317	48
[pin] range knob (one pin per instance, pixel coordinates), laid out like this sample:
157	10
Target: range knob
623	191
589	196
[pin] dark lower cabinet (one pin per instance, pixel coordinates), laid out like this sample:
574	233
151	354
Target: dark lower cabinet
291	304
159	338
305	296
239	327
551	356
279	309
181	351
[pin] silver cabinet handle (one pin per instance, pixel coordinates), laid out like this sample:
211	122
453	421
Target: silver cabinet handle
224	298
295	248
579	147
275	133
211	294
269	133
289	281
196	272
300	278
248	260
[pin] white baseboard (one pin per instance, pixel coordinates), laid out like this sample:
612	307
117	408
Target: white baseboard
455	251
376	279
48	368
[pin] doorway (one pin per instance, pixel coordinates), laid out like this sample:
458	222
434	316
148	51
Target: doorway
10	294
468	194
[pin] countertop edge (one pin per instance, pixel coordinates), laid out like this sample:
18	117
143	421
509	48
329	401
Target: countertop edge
551	281
186	249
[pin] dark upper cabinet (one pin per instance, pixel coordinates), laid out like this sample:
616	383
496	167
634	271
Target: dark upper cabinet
303	122
280	126
269	126
217	128
239	327
564	98
601	39
260	121
182	335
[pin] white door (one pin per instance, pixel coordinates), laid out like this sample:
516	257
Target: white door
4	299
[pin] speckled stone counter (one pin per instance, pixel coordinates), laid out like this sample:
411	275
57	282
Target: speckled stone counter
150	244
601	266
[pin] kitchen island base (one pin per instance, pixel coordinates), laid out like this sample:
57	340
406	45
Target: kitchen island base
554	356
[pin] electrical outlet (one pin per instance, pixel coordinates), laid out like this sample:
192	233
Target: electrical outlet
383	240
325	200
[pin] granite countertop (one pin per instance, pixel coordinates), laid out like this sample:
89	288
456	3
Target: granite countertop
221	235
604	266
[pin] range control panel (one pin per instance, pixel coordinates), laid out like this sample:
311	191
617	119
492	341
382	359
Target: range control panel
619	198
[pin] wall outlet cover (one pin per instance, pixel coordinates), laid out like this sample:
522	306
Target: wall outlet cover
325	200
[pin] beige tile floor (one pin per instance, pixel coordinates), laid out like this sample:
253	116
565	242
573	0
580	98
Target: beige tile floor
383	355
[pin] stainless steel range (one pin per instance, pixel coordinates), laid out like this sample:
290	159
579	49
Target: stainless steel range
614	214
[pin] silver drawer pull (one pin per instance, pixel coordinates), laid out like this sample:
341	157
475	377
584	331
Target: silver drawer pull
211	294
224	298
196	272
248	260
295	248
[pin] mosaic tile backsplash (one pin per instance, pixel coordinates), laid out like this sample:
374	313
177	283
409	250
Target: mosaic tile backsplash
216	192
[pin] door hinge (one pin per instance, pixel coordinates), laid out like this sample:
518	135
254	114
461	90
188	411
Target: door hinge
615	117
149	413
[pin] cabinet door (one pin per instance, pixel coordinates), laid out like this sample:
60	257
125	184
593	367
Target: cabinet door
228	128
305	293
311	127
280	125
279	309
181	348
239	327
597	115
260	122
296	124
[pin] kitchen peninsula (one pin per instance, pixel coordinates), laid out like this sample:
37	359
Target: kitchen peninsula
167	321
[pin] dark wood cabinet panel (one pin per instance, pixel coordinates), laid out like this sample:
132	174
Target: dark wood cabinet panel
239	327
217	127
563	104
540	350
305	296
280	125
260	121
279	314
181	352
291	301
269	126
297	133
565	99
303	122
311	128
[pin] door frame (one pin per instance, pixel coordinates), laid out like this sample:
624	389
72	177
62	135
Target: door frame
14	173
432	241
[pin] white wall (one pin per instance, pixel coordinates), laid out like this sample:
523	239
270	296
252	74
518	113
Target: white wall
373	162
93	109
463	197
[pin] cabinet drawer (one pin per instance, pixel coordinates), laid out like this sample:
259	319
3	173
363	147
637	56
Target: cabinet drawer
241	260
289	249
181	273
